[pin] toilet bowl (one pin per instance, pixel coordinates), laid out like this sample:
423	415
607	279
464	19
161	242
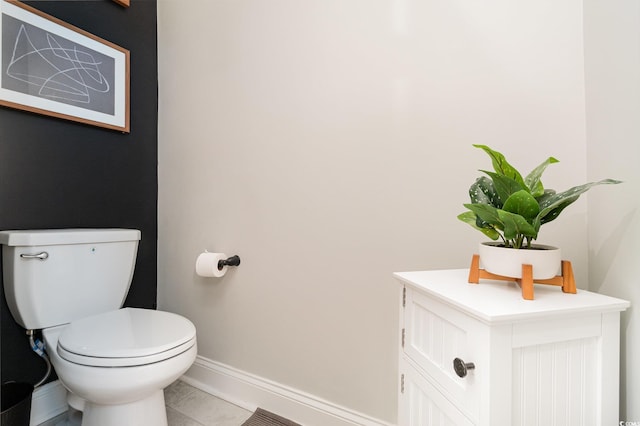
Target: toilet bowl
71	284
116	364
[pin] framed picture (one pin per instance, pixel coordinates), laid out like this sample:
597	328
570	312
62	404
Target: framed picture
53	68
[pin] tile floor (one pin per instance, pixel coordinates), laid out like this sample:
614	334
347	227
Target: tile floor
187	406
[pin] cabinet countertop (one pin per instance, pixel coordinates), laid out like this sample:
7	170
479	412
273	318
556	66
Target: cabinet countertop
493	301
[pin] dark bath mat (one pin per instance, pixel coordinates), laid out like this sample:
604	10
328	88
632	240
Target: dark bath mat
265	418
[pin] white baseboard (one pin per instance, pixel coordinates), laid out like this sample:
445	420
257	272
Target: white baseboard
48	401
238	387
250	391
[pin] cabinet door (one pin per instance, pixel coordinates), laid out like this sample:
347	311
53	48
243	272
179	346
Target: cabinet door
421	404
436	334
556	372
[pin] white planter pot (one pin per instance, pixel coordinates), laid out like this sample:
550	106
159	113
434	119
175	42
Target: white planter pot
546	260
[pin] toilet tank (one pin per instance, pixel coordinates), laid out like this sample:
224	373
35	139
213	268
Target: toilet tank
54	276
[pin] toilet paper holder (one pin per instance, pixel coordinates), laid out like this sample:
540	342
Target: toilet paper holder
231	261
215	264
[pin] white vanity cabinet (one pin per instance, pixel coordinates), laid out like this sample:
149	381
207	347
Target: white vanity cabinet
549	361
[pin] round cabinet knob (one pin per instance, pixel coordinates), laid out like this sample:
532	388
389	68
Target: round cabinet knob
462	367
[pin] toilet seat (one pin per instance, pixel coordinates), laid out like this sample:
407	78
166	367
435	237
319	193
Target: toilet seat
125	338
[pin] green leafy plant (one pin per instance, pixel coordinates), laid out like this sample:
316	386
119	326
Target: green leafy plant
507	206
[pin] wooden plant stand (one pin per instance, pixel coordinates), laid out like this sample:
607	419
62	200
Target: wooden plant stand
566	280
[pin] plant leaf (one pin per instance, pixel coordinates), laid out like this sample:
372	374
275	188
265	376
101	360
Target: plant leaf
551	206
501	165
486	213
533	181
545	195
504	186
515	225
482	191
523	204
470	218
555	211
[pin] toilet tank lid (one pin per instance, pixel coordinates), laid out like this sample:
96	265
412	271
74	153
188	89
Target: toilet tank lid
47	237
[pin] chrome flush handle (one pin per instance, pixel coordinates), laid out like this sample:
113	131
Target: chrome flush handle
40	256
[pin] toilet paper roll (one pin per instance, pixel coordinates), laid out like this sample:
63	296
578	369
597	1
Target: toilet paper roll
207	264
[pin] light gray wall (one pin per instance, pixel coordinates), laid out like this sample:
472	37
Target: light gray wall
612	70
328	143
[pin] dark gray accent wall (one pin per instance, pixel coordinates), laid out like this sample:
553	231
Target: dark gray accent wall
61	174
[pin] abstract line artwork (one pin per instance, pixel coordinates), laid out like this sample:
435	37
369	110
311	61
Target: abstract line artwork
49	67
55	68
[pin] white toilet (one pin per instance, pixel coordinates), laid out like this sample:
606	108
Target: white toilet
115	363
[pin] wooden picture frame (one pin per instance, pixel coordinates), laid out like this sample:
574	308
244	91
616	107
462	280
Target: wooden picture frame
53	68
